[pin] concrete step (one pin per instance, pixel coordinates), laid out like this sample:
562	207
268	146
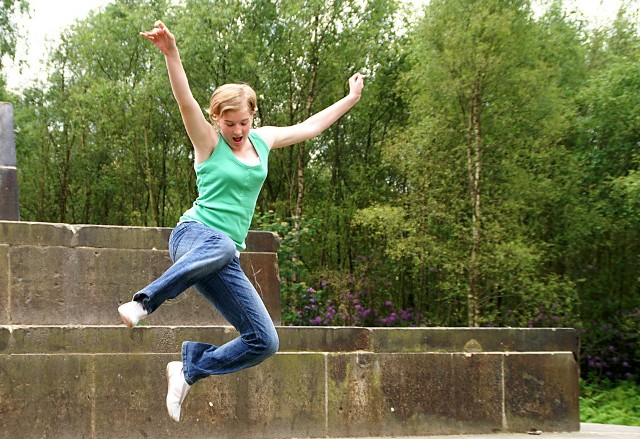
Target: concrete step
70	369
108	382
103	339
587	431
61	274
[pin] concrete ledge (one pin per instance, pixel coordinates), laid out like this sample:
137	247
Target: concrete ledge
475	340
108	382
56	274
167	339
69	368
9	209
99	236
290	395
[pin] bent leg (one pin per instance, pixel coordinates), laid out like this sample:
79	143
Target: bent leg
236	299
198	252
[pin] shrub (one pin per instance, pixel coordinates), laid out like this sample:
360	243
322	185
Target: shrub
605	402
611	350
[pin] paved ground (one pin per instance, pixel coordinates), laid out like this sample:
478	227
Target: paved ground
587	431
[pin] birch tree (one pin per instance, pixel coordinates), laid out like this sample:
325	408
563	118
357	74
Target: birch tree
485	117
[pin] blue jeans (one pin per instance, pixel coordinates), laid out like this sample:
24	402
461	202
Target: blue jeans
207	259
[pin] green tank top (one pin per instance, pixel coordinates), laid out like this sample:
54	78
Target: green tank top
228	190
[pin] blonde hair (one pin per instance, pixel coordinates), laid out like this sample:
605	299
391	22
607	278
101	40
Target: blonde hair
232	97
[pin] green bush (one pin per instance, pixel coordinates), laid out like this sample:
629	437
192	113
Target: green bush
604	402
611	349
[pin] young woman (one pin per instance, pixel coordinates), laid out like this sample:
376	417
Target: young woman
231	166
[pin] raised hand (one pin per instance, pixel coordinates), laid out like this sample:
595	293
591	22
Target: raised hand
356	83
162	38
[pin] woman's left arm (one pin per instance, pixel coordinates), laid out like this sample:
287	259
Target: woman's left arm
277	137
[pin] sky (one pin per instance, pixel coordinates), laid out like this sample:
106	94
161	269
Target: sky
50	17
42	30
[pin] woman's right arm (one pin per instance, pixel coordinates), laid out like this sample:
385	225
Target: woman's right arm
202	134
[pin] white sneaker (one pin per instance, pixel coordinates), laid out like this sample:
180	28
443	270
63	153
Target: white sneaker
177	389
131	313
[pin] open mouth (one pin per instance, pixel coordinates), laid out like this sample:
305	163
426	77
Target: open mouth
237	139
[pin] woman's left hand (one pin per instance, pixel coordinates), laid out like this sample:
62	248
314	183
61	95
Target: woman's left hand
356	83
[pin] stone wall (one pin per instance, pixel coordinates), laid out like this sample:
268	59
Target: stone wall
62	274
108	382
70	369
8	171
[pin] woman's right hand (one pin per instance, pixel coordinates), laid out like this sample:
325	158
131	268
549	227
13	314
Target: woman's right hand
162	38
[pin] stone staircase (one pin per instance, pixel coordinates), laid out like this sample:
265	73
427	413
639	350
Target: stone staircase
70	369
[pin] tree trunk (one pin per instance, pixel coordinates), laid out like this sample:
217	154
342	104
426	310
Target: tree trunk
474	162
66	164
300	186
149	181
311	93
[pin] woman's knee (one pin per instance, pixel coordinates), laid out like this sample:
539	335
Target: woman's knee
272	344
265	344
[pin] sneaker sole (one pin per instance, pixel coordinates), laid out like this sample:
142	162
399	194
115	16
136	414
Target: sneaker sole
126	321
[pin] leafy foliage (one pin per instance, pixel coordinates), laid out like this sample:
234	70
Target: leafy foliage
8	29
603	402
611	350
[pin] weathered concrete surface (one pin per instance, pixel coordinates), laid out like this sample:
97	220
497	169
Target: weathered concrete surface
99	236
9	209
69	368
587	431
475	340
164	339
543	393
54	274
108	382
7	136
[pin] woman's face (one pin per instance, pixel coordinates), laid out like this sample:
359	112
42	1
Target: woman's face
235	126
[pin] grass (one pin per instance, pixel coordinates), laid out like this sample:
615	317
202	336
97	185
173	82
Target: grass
603	402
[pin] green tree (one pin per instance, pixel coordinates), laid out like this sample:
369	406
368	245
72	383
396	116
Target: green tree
8	28
606	145
114	145
107	130
477	163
